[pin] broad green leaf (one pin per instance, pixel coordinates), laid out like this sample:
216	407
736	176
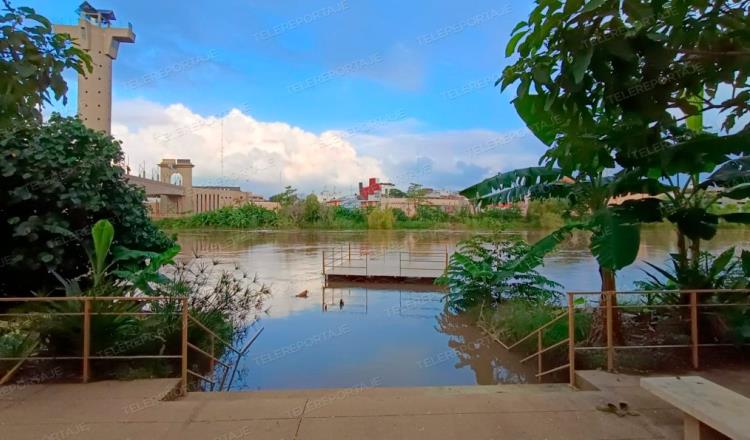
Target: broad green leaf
614	243
738	192
102	234
593	4
721	262
581	63
695	223
737	217
540	121
745	259
695	122
522	177
511	46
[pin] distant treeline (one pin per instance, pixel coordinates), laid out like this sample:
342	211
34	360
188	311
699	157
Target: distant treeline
309	213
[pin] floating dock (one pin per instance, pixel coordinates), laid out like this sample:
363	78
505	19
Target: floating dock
346	264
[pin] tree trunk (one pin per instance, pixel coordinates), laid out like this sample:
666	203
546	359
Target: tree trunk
599	322
695	252
682	249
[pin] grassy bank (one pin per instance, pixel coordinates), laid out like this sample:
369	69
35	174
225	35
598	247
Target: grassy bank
547	214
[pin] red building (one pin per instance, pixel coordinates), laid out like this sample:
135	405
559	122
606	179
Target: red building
366	191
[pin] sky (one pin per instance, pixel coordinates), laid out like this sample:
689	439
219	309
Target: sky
317	94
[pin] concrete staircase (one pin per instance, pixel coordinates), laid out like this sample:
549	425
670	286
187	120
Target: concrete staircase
138	410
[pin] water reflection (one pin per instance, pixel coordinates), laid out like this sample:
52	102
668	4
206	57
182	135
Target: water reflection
346	336
490	363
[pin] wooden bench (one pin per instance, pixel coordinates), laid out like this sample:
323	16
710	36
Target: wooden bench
709	410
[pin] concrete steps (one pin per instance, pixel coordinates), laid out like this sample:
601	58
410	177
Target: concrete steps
313	393
137	410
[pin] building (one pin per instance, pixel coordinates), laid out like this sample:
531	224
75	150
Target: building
377	194
174	193
374	189
94	34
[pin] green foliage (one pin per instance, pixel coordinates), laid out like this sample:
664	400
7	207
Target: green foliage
484	270
547	213
286	198
725	271
515	319
513	186
311	209
57	179
381	219
431	214
415	191
246	216
222	301
399	215
102	234
583	91
32	61
396	193
16	340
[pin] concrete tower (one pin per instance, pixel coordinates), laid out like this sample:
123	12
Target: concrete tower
95	35
177	172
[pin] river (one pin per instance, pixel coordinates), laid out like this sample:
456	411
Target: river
386	336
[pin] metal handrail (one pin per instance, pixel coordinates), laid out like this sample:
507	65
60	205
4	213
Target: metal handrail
539	329
214	360
608	305
87	356
544	350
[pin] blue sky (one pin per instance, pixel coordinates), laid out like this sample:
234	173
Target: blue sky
409	84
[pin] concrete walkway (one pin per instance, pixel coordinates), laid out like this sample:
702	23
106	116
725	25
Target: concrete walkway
135	410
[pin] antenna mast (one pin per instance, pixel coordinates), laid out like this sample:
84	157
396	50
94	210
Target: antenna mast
222	148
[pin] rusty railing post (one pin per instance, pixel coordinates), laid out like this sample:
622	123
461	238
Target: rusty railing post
324	262
212	363
350	251
694	328
610	331
184	357
539	357
571	341
86	339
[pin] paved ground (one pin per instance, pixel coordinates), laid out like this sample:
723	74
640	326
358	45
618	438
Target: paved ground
135	410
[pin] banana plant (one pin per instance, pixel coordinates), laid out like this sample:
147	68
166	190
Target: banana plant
615	229
102	234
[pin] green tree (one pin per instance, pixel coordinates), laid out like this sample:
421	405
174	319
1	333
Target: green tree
56	180
416	191
482	271
600	81
396	193
311	209
381	219
287	197
32	61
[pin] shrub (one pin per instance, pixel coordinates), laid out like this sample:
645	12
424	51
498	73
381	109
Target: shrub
482	271
514	319
56	180
381	219
311	209
548	213
240	217
222	302
431	214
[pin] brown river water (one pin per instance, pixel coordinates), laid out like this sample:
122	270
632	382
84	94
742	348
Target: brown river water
386	335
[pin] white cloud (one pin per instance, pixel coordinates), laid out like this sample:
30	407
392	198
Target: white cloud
259	156
264	156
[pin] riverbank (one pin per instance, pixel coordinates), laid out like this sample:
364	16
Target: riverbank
539	215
